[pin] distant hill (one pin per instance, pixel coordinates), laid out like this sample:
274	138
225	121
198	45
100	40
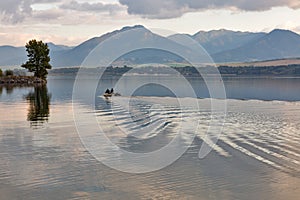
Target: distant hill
140	34
223	46
12	55
275	45
265	63
76	55
54	47
15	56
221	40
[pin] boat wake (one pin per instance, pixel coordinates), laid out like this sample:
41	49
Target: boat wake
256	129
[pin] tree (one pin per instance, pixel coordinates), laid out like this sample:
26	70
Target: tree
38	62
1	72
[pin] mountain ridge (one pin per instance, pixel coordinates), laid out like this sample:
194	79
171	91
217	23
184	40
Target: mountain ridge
223	46
277	44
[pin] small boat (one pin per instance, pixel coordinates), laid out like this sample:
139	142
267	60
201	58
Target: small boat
110	93
107	95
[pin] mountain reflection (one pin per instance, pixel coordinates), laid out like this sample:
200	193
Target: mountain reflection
39	102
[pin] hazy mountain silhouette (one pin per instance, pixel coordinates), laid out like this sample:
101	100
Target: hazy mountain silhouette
75	56
222	40
139	35
222	45
15	56
10	55
275	45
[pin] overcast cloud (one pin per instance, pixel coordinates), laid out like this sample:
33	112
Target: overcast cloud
92	7
83	19
15	11
51	14
162	9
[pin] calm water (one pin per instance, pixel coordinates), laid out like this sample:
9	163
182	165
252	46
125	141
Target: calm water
256	157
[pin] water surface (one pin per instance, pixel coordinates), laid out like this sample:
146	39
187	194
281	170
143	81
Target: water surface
256	157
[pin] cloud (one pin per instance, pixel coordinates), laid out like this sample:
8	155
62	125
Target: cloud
164	9
92	7
51	14
15	11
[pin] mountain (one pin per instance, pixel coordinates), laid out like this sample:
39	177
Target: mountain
63	56
54	47
138	35
222	45
12	55
274	45
222	40
216	41
15	56
75	56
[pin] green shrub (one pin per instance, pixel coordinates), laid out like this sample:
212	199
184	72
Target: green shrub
1	73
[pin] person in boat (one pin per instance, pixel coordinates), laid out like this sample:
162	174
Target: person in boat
112	91
107	91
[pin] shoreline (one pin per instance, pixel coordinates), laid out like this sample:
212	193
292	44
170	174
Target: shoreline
21	81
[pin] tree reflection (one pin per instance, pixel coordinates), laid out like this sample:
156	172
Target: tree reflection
9	89
39	102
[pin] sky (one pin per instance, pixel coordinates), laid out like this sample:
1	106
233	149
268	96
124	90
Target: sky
70	22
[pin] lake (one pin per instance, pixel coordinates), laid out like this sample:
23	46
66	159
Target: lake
257	155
